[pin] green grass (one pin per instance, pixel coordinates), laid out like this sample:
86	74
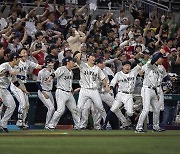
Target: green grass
89	142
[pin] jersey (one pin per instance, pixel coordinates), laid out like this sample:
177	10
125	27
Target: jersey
90	76
126	82
106	73
43	77
23	69
6	80
151	75
64	78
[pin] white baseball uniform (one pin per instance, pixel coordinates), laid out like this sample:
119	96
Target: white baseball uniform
106	98
126	84
89	81
149	95
64	96
163	74
22	98
7	98
42	78
87	108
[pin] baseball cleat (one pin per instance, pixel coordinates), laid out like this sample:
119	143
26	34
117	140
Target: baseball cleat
4	130
140	131
158	130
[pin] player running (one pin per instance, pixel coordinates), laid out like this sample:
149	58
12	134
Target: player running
126	82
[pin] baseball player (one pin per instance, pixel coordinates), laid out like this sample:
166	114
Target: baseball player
126	82
22	97
8	75
44	89
163	76
105	97
64	94
149	92
90	75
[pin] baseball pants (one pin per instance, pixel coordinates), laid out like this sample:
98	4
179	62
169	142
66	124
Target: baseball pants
127	100
9	102
149	97
49	103
95	97
89	107
23	100
65	99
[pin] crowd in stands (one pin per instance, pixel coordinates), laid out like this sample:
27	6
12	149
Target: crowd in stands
62	30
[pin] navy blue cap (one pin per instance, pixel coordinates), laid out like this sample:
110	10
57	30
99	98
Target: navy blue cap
98	60
67	59
90	54
126	62
14	55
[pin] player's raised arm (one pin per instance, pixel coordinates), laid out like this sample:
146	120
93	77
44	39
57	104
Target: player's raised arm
157	56
114	81
77	57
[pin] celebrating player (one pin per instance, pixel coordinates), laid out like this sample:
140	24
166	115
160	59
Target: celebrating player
90	75
149	92
21	96
64	94
126	82
8	75
44	89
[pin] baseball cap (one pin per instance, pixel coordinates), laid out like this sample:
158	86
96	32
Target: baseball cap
14	55
126	62
90	54
173	50
39	45
125	18
67	49
98	60
83	45
67	59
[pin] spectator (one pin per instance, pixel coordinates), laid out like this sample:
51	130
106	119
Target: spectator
5	58
53	54
75	39
175	61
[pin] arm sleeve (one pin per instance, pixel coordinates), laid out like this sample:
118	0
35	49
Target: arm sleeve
101	75
33	64
156	57
39	86
16	83
136	69
58	72
114	80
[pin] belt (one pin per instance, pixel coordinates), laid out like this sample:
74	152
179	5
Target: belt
64	90
153	88
46	90
126	92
